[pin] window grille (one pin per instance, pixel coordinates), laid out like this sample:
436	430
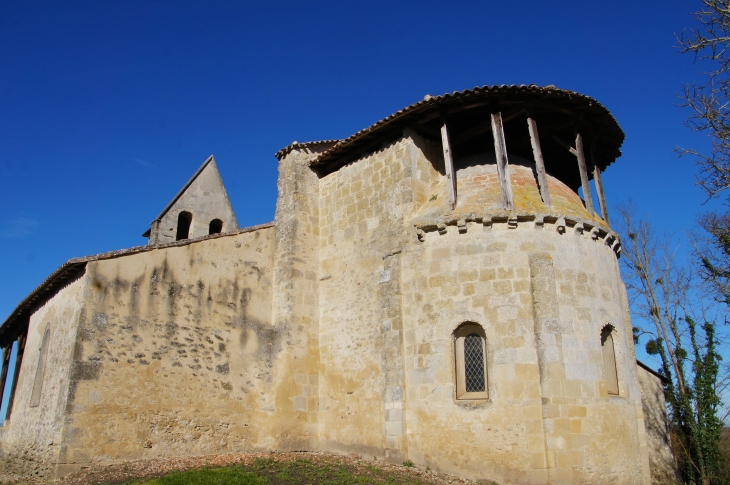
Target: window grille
474	363
471	362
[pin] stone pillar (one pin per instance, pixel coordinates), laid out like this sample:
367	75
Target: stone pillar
296	296
391	362
548	338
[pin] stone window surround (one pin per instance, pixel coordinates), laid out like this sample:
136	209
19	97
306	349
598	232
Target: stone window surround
609	357
465	329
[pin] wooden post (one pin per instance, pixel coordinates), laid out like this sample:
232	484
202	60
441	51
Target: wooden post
448	163
4	373
583	173
599	187
16	373
539	162
500	150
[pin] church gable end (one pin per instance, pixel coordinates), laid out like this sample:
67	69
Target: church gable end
199	209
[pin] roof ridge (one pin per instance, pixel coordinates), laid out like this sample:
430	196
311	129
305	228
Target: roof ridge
185	187
295	144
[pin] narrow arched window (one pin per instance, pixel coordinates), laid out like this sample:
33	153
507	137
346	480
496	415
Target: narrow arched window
470	351
609	360
215	226
35	398
183	225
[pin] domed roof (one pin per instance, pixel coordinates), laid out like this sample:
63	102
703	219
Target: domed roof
558	113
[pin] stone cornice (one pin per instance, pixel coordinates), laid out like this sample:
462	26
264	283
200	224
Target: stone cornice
513	220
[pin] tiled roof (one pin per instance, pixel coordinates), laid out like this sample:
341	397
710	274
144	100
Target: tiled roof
284	151
567	100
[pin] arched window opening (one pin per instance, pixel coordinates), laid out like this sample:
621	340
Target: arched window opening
470	350
183	225
215	226
35	398
609	360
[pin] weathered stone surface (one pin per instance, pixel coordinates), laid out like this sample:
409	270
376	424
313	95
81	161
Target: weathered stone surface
661	461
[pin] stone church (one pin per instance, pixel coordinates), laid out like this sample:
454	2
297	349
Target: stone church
432	288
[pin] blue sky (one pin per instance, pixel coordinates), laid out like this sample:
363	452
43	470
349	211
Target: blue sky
109	107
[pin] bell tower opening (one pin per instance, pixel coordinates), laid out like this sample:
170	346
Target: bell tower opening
183	225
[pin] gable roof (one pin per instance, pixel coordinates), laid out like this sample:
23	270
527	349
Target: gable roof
185	187
207	161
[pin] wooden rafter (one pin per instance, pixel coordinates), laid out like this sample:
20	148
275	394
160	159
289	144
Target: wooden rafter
539	162
448	163
500	151
583	173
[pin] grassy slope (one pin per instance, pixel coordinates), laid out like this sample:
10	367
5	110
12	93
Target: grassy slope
302	471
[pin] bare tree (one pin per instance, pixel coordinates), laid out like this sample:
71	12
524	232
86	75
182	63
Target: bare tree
663	301
709	101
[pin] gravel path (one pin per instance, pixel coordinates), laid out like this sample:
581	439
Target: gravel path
121	472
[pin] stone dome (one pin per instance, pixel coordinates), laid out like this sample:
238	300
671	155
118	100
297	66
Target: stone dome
479	192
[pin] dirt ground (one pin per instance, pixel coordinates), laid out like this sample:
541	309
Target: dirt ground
121	472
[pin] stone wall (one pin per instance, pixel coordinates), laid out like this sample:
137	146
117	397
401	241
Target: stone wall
296	292
364	208
392	295
31	439
333	329
542	298
176	354
661	460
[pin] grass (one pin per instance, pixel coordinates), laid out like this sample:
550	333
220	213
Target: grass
208	476
302	471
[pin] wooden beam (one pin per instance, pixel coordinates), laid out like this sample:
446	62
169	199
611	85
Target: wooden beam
472	132
465	106
429	132
448	163
500	150
565	145
481	128
599	187
539	162
513	115
583	174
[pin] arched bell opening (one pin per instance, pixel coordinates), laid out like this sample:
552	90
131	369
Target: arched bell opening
215	226
184	221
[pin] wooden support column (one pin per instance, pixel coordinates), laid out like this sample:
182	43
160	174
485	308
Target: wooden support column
599	187
448	163
500	150
583	173
4	373
16	373
539	162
